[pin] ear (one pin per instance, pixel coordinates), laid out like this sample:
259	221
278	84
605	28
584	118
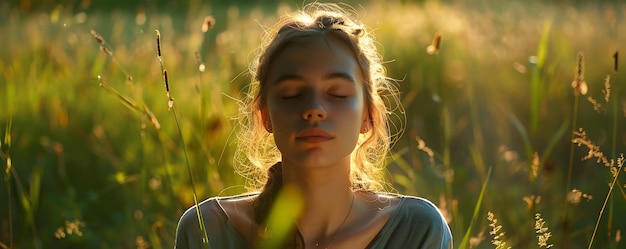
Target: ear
267	122
366	125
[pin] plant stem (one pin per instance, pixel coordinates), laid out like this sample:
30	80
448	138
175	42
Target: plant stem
571	157
595	230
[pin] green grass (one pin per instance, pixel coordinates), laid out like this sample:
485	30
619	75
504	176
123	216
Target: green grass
90	167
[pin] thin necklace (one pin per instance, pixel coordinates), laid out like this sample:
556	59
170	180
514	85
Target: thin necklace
317	244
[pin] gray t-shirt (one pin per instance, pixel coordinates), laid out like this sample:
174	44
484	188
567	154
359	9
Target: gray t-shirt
416	223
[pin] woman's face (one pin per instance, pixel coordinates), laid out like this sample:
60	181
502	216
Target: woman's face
315	104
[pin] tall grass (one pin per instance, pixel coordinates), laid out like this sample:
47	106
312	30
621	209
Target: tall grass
487	126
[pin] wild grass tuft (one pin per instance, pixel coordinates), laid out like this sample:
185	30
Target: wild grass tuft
170	105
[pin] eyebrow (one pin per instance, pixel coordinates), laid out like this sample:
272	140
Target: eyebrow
335	75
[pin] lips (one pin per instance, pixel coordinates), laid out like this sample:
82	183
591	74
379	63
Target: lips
314	135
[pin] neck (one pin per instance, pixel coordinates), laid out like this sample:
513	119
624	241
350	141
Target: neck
327	196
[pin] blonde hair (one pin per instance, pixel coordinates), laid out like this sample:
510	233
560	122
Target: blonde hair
256	149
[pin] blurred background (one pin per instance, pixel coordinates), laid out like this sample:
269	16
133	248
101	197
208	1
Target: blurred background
520	111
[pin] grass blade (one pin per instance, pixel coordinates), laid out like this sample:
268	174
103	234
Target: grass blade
466	238
535	83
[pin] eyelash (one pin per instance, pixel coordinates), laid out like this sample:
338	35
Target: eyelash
337	96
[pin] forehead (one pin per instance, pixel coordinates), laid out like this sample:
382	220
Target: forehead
314	56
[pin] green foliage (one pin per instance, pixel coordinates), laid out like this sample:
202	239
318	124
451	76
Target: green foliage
93	158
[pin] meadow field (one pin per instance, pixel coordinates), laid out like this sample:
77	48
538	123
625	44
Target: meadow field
515	126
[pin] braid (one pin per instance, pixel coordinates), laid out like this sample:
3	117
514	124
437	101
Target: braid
264	201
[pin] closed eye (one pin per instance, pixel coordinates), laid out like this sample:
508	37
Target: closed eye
339	96
290	96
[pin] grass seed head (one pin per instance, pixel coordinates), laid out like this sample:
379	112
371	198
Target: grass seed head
158	41
433	48
579	84
167	85
542	232
106	51
208	23
98	37
607	88
615	61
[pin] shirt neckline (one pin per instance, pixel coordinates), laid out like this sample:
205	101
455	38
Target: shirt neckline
383	231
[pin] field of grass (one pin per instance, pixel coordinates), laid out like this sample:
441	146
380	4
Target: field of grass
521	113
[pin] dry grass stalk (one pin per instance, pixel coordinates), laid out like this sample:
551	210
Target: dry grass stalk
535	165
615	61
421	145
579	84
158	40
433	48
594	150
606	92
620	164
130	103
542	232
106	49
531	201
170	104
476	240
596	105
498	239
607	88
208	23
141	243
201	66
70	228
575	196
98	37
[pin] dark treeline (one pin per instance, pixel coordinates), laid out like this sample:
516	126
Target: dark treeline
172	5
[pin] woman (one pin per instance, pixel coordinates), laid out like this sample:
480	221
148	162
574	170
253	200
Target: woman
316	122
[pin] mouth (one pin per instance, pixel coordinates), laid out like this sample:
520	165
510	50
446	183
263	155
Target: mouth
314	135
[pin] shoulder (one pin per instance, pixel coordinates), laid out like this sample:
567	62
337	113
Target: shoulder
420	208
421	220
215	219
188	231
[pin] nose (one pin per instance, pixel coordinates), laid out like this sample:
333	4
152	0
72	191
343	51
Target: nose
314	111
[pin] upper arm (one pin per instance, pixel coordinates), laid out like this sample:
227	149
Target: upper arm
185	229
188	232
434	228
